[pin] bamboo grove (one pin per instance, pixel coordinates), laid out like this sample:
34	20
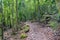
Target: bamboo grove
14	11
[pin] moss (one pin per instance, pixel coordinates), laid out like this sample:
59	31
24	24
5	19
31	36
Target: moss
23	35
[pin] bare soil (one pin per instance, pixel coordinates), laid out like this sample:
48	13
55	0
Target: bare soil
37	32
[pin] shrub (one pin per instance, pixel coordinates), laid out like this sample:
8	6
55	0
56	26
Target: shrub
25	28
23	35
53	24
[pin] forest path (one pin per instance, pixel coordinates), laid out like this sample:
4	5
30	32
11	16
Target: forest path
37	32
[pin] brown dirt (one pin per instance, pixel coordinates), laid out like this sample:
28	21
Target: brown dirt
37	32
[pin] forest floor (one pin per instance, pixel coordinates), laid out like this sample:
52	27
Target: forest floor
37	31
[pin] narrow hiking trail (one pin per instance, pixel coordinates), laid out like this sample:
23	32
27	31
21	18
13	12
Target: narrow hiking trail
37	32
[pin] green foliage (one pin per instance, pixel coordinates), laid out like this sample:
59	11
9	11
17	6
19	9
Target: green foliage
25	28
23	35
0	38
13	12
53	24
0	31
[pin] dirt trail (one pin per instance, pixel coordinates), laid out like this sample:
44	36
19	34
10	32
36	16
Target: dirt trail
37	32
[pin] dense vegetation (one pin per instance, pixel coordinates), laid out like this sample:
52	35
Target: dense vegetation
12	12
